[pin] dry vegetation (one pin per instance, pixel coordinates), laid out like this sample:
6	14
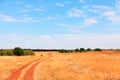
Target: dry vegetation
81	66
10	63
68	66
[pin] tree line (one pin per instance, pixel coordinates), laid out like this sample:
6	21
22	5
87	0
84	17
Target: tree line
17	51
79	50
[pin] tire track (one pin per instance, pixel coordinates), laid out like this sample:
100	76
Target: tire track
29	74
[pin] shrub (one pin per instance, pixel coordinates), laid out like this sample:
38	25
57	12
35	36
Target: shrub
64	51
18	51
77	50
6	53
88	49
28	52
82	50
97	49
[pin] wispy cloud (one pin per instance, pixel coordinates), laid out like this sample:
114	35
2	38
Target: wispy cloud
117	5
112	16
76	13
90	21
24	11
70	28
55	17
81	1
6	18
68	41
61	4
39	9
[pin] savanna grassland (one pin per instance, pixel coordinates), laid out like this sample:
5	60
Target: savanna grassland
104	65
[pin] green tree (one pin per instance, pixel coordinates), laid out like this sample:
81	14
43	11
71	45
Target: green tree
77	50
18	51
97	49
82	50
88	49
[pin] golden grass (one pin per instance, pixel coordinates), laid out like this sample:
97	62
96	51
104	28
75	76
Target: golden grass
10	63
68	66
81	66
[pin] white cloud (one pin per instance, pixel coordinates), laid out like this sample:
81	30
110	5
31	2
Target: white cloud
76	13
112	16
71	28
59	4
118	5
55	17
6	18
90	21
69	41
24	11
39	9
81	1
102	7
109	13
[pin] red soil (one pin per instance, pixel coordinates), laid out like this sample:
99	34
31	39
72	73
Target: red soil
29	75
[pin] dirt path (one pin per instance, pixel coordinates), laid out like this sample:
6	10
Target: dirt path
29	73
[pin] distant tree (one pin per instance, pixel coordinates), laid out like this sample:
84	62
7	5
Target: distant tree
77	50
63	51
88	49
18	51
82	50
97	49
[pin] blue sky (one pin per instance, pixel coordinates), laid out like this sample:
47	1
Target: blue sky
60	23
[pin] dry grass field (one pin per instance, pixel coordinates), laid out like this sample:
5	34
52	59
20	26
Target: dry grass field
81	66
10	63
68	66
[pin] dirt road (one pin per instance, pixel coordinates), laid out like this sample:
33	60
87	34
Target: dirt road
26	72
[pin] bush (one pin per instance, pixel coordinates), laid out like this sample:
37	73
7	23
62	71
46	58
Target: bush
64	51
88	49
28	52
97	49
82	50
18	51
6	53
77	50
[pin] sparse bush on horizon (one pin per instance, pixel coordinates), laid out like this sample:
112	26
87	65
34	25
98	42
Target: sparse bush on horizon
97	49
6	53
65	51
77	50
17	51
88	49
82	50
28	52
